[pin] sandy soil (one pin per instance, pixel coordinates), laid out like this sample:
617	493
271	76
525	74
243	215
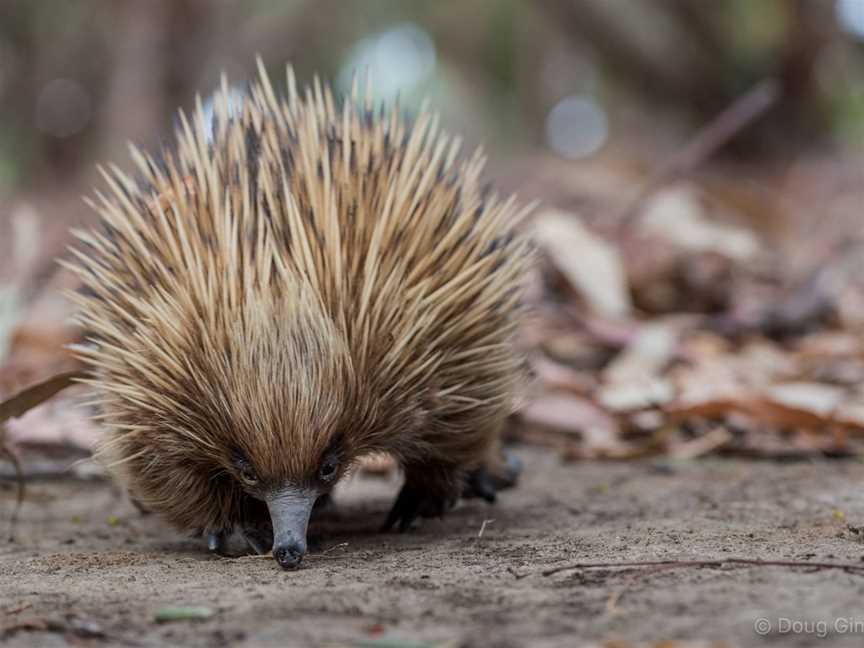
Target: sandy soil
88	569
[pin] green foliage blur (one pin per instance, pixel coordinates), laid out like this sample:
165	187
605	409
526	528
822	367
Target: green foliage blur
80	79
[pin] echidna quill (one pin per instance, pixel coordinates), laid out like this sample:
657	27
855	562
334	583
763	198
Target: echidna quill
294	285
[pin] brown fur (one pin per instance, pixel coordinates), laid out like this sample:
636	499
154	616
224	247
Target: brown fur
316	279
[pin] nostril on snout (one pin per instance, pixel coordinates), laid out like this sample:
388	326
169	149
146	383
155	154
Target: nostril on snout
289	556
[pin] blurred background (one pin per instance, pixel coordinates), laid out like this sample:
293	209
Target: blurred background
635	124
571	79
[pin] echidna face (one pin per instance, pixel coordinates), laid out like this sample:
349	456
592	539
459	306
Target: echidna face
259	409
285	413
289	502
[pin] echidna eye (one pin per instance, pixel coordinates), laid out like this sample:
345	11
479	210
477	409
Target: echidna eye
328	469
248	475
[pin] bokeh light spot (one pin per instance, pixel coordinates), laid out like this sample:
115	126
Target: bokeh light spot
398	60
850	15
576	127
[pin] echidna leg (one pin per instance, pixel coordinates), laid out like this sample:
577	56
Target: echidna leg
411	504
255	526
431	494
258	538
486	480
216	541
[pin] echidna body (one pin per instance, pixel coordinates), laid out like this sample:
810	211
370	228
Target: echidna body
296	285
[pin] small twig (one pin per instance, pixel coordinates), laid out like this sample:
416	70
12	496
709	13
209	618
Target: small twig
17	609
647	567
612	603
333	548
710	139
711	563
483	527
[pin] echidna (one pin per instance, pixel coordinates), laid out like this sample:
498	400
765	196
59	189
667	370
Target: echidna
292	286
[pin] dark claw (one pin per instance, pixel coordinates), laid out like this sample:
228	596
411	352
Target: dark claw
410	504
216	542
479	483
485	483
259	540
510	474
404	510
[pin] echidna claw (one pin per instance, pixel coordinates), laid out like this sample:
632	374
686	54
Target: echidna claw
216	542
404	510
485	483
411	504
512	470
479	483
259	540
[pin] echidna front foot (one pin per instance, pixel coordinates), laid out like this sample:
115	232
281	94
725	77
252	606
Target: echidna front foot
259	539
216	542
486	480
480	483
413	502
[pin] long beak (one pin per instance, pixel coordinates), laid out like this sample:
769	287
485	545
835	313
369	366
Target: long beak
290	508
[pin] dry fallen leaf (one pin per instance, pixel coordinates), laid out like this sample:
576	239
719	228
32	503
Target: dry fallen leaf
569	413
648	353
677	215
814	398
716	438
28	398
592	265
636	394
633	380
556	376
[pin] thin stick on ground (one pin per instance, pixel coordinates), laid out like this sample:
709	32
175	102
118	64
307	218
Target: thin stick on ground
644	568
718	563
710	139
612	603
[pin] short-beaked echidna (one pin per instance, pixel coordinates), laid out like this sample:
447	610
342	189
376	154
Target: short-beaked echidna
291	286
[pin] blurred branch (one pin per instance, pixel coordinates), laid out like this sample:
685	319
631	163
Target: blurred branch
742	113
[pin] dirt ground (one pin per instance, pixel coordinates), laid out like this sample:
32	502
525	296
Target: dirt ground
89	569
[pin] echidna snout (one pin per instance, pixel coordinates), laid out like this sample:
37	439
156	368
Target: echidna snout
290	508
